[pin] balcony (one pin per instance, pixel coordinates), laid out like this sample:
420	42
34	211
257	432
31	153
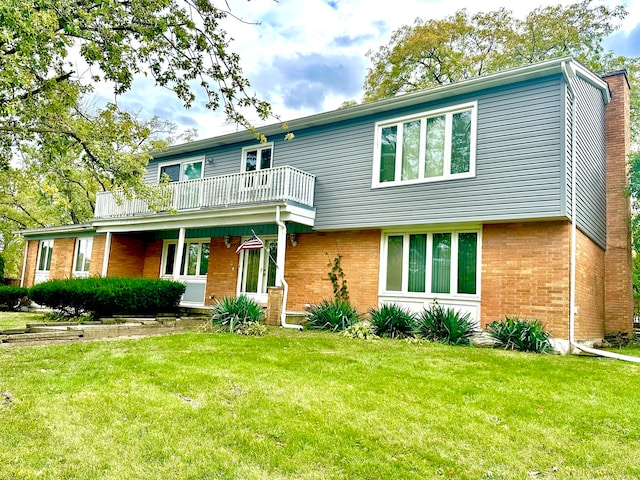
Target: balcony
281	184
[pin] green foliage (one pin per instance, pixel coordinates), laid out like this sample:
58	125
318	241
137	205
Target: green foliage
392	320
360	330
233	313
335	315
108	296
338	280
10	296
520	334
445	325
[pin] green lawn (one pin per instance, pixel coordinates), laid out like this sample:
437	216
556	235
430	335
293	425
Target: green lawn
312	406
18	319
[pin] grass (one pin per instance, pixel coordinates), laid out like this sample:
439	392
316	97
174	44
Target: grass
18	319
312	405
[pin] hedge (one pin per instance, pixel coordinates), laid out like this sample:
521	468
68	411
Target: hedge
109	295
10	296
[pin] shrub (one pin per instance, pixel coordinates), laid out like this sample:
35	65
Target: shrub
520	334
335	315
108	296
10	296
445	325
361	330
231	313
252	329
393	321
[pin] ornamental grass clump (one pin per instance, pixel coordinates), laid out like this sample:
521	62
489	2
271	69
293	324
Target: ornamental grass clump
392	320
520	334
445	325
335	315
234	314
360	330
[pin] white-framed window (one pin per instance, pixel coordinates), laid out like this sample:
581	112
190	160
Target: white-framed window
435	264
191	169
431	146
82	257
45	251
257	157
194	262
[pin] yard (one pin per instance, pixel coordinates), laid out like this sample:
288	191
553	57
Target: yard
312	406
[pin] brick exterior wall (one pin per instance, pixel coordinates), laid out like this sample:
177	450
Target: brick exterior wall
525	272
618	282
97	255
589	317
222	276
307	267
127	258
62	257
30	267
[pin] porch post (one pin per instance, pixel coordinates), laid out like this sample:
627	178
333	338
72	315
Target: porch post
107	253
177	264
282	248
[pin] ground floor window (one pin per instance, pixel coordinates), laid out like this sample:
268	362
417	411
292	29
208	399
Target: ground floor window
194	262
438	263
45	250
82	257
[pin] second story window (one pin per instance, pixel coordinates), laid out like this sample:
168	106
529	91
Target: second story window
257	157
180	171
436	145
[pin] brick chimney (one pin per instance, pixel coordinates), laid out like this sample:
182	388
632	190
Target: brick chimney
618	282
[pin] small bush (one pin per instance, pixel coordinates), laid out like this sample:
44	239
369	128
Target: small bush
252	329
360	330
335	315
108	296
10	296
392	321
520	334
445	325
232	313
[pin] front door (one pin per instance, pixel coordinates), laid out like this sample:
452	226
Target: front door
258	271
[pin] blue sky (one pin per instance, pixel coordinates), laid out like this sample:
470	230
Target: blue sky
309	56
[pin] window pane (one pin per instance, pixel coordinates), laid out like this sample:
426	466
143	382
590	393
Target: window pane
441	264
204	259
394	263
44	263
388	140
170	259
410	149
192	262
434	152
87	254
417	262
265	158
461	142
47	265
251	159
252	269
172	171
272	252
192	171
467	262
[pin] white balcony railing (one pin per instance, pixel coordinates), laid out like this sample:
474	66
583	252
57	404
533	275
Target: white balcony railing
274	184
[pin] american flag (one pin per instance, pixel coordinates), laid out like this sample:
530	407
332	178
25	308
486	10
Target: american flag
253	243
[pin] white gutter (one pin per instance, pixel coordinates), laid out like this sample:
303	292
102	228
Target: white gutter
282	245
24	261
574	213
107	254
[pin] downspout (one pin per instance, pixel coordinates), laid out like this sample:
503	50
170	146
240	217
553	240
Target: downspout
107	254
574	213
24	261
282	237
572	287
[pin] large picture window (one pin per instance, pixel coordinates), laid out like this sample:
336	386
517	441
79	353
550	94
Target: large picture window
439	264
194	262
432	146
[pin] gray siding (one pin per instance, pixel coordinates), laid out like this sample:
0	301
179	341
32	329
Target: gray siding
520	170
591	162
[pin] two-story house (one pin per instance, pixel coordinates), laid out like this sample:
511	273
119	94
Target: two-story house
499	195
